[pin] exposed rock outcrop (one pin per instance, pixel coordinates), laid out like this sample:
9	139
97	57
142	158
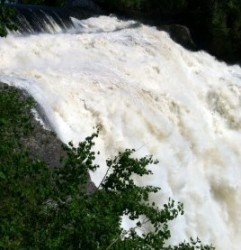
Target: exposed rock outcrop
41	143
180	34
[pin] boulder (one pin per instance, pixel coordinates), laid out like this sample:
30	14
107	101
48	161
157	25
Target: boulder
180	34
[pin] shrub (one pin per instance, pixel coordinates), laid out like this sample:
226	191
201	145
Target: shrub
49	208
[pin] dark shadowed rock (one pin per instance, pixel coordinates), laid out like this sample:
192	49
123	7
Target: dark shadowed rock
180	34
43	144
90	187
40	144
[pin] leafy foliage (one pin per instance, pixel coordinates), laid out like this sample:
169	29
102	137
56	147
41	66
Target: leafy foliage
49	208
6	14
219	22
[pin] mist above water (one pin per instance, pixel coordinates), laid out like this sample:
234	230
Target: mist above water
145	92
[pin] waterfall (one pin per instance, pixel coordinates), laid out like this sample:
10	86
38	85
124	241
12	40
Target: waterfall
145	92
34	19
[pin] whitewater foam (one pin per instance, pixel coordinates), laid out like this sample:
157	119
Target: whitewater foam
145	92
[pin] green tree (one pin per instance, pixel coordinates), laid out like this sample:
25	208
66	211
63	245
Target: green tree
6	15
50	208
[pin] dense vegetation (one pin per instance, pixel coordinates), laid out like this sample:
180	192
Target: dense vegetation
49	208
6	14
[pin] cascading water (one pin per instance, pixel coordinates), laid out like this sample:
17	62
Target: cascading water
34	19
147	93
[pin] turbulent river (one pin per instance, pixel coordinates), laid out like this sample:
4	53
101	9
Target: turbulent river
145	92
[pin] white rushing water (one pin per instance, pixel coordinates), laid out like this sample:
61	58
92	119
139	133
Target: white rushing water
149	93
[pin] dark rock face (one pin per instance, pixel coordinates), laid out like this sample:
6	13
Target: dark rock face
180	34
41	143
90	187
